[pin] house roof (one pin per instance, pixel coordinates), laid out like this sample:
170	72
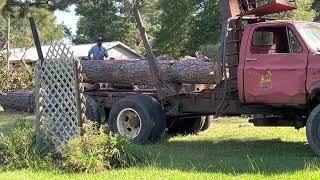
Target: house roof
79	51
82	49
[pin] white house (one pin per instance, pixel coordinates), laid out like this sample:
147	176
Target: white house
116	50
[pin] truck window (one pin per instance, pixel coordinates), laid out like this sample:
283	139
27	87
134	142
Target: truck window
310	32
262	38
295	46
270	40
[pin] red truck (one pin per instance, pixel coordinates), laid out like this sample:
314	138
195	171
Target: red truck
271	72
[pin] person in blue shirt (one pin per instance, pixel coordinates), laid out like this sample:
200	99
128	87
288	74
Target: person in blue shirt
98	51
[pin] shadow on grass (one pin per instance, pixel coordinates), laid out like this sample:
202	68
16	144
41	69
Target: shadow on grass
234	156
228	156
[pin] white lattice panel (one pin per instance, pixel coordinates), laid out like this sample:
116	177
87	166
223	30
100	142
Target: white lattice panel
60	101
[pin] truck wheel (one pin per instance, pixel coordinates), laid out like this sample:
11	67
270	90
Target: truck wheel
313	130
139	118
207	123
92	110
187	126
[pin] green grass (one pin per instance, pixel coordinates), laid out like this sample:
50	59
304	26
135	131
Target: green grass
232	149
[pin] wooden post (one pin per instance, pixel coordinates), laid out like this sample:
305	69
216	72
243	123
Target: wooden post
8	42
38	77
36	38
154	71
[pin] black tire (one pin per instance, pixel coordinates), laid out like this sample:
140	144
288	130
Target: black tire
207	123
152	117
187	126
92	110
313	130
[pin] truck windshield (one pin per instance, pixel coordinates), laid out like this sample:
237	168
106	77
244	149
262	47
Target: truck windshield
310	32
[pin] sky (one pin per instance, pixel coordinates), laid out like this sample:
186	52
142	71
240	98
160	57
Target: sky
68	18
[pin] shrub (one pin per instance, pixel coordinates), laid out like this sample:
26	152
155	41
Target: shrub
95	150
17	77
18	149
92	151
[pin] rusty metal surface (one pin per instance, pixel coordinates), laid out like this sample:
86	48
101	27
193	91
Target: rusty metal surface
229	8
204	104
233	8
264	7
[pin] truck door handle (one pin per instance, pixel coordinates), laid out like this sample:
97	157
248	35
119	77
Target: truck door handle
251	59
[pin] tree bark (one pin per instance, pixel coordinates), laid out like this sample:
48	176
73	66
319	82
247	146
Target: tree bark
128	72
137	72
20	100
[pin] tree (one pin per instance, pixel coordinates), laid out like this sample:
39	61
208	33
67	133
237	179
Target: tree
106	19
21	7
316	7
20	31
19	12
150	11
206	26
305	11
176	22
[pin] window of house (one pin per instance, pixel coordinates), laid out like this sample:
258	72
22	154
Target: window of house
274	40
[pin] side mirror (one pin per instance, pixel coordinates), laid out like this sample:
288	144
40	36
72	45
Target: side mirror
318	49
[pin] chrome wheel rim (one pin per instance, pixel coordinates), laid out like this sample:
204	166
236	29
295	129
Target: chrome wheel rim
129	123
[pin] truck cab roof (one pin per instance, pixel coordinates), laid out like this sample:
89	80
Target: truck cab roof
279	22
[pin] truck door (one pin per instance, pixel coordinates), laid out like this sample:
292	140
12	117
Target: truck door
275	66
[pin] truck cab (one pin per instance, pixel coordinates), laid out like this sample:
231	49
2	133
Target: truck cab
279	63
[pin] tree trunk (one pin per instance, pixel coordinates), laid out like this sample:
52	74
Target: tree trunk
128	72
20	100
137	72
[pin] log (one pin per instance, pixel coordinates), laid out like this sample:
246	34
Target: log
19	100
128	72
137	72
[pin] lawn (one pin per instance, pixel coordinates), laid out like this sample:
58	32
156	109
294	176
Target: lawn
232	149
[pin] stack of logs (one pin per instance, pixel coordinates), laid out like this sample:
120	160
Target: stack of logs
198	71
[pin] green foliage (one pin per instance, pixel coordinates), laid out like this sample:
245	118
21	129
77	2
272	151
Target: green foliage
20	29
211	51
304	12
17	77
188	25
206	26
94	151
316	7
150	11
176	22
113	21
49	31
231	149
21	76
18	149
21	8
106	19
21	35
